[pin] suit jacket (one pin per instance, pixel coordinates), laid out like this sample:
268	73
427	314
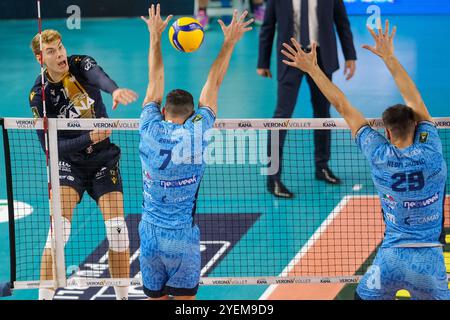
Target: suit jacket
279	17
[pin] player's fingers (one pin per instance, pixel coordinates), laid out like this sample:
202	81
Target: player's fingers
144	19
386	28
131	96
289	63
314	49
379	27
372	32
166	22
372	49
394	31
132	93
288	55
221	24
115	103
243	15
248	22
235	14
158	10
248	29
297	46
290	49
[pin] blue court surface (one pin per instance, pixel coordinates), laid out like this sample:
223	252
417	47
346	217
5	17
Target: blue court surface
120	46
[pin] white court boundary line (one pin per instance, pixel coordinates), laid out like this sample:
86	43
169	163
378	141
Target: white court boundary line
316	236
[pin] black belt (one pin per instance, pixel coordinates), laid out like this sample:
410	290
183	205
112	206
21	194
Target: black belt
98	146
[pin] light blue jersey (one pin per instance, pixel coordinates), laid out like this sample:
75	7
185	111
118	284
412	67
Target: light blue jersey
173	166
411	186
410	183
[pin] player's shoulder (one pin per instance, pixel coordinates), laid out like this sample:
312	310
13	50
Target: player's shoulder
79	62
426	131
36	89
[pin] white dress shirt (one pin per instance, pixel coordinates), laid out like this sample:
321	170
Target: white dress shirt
313	20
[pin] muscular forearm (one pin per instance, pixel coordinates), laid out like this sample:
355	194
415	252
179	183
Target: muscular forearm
220	66
406	85
155	88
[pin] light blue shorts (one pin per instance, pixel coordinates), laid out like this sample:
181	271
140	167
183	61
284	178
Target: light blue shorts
170	260
421	271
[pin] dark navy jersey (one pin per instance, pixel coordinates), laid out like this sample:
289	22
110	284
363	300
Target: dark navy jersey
77	95
410	183
173	165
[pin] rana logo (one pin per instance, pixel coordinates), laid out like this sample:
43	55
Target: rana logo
244	124
73	125
329	124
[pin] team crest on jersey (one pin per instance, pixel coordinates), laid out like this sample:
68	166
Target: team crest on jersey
35	112
114	175
197	118
423	137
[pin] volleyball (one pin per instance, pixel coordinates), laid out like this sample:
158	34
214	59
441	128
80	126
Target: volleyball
186	34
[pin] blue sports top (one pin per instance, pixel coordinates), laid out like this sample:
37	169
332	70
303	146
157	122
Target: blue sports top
172	165
410	183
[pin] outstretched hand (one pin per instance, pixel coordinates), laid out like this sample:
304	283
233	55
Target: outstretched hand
299	59
156	25
384	43
236	29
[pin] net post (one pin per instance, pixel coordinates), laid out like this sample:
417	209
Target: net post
10	196
60	276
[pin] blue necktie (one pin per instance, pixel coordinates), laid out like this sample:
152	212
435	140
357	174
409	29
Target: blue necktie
304	24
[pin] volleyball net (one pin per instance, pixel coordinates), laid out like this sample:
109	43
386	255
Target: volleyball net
326	234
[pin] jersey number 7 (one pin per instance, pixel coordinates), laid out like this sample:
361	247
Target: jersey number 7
166	161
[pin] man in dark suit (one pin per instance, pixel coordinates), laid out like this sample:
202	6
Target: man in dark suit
307	21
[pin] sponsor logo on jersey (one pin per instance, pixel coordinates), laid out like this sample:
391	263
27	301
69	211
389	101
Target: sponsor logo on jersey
166	199
64	166
423	137
35	112
389	201
197	118
415	204
114	175
390	217
178	183
32	94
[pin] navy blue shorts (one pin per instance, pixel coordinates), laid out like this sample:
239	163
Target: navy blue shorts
95	170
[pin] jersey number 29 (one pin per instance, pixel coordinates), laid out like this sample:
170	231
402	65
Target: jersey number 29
414	181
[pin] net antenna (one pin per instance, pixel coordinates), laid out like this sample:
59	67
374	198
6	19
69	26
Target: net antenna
47	154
